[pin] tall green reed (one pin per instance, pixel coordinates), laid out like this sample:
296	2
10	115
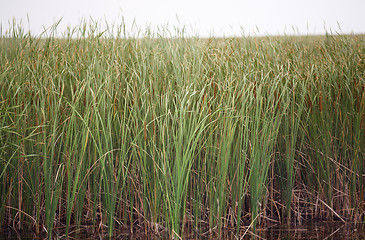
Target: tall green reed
179	134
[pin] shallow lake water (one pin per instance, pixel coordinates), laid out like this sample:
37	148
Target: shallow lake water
324	231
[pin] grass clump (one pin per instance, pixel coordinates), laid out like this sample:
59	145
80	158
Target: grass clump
180	135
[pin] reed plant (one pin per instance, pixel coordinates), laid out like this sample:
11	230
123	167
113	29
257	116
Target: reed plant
183	136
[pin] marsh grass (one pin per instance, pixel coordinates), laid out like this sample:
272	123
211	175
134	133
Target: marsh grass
182	136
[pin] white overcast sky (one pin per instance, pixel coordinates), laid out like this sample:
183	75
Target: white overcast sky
206	18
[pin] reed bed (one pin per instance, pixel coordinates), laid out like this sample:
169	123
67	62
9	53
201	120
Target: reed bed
179	136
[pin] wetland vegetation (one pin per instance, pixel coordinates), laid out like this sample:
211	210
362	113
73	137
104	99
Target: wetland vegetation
179	136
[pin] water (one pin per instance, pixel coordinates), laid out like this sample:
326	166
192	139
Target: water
324	231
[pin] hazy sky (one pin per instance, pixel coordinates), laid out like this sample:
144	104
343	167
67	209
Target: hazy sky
228	17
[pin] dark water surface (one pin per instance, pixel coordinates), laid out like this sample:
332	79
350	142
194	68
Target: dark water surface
324	231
